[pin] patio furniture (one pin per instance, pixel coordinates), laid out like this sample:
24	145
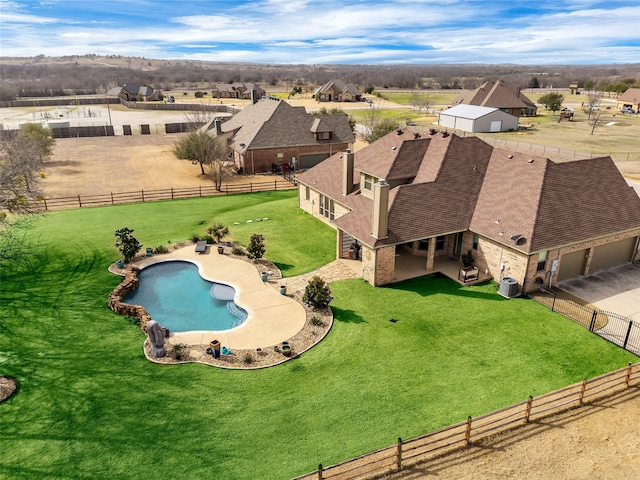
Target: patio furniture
201	246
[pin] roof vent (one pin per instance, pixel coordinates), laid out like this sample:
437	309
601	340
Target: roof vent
509	156
515	237
445	134
416	136
394	147
432	131
400	132
530	160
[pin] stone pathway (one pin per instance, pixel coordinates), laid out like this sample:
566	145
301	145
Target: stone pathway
336	270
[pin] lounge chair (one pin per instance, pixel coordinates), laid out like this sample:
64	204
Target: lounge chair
201	246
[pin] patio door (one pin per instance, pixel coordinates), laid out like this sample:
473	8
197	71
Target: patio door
457	247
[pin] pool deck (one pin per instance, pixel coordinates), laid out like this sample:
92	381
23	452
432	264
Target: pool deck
272	317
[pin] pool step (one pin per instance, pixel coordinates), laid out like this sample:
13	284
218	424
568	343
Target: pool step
222	292
238	312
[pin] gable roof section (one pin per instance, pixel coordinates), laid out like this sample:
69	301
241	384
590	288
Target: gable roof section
274	123
632	95
472	112
495	94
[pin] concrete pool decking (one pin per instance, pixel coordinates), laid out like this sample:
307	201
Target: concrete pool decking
272	317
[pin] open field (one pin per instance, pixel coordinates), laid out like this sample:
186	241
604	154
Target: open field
91	406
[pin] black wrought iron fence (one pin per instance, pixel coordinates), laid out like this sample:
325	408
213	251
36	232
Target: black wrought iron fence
614	327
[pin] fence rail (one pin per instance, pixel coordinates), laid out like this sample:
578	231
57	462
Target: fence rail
450	439
139	196
611	326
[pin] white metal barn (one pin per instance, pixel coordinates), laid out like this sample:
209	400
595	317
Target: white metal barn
476	119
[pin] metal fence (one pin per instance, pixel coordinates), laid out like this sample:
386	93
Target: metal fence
451	439
616	328
139	196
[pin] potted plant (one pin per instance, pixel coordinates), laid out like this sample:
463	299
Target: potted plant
468	259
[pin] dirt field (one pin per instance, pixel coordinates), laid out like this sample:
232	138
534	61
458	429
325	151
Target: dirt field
599	441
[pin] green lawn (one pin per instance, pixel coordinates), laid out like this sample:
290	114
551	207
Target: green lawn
90	406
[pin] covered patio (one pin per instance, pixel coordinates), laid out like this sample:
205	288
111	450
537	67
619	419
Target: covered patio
411	266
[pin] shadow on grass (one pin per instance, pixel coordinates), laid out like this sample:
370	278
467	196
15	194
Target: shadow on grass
437	283
346	316
284	267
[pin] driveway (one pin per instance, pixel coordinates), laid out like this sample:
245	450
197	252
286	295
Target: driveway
615	290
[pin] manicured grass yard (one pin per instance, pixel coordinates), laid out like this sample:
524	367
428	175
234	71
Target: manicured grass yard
91	406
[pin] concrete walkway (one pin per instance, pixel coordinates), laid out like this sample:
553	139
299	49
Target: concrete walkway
272	317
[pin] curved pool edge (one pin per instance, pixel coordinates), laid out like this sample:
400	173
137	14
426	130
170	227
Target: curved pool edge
271	317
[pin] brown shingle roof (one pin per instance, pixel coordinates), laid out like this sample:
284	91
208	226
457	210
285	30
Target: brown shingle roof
494	94
465	184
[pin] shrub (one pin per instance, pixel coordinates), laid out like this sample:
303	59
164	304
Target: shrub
316	321
208	238
195	238
468	258
317	293
256	247
248	358
127	244
238	251
218	231
160	249
178	354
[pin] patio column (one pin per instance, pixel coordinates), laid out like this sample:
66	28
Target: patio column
431	254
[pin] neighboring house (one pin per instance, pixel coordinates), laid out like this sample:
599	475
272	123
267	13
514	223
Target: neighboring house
237	90
629	99
471	118
337	91
507	98
130	92
420	203
574	88
271	133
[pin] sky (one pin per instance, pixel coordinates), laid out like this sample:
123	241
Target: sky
526	32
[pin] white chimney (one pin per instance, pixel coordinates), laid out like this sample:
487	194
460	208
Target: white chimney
380	209
348	159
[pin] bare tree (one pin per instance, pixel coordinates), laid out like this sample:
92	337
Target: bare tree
201	148
375	125
595	120
592	105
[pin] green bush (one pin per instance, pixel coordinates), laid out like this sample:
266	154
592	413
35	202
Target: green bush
195	238
160	249
127	244
238	251
256	247
218	231
317	293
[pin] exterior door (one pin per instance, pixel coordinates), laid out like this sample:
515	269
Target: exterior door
457	248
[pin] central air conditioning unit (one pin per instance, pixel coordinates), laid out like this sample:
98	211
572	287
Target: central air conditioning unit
508	287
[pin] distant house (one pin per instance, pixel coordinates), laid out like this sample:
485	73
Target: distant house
337	91
131	92
410	206
629	99
237	90
574	88
471	118
271	133
501	95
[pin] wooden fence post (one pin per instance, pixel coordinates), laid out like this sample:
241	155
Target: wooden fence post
582	389
171	193
142	195
250	187
111	198
79	201
467	433
527	411
320	472
627	377
200	187
399	454
44	199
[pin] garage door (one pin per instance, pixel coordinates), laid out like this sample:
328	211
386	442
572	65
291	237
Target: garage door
612	254
308	161
572	264
496	125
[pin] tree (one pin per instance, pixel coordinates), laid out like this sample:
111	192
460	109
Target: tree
534	83
127	244
375	126
256	247
589	85
595	120
218	231
317	293
22	155
201	148
552	101
592	105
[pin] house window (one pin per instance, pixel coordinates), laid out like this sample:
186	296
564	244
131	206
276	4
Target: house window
327	207
440	242
368	182
542	260
476	238
324	135
423	244
307	194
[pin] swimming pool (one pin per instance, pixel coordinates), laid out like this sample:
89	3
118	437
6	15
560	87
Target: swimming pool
178	298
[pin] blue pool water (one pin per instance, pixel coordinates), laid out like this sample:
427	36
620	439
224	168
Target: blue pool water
178	298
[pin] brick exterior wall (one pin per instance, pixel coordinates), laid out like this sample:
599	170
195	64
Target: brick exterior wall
261	160
312	205
384	262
